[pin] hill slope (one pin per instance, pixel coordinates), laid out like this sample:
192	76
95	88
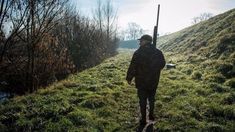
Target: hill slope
212	38
99	99
206	49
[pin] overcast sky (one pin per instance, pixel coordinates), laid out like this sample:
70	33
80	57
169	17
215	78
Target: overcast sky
174	14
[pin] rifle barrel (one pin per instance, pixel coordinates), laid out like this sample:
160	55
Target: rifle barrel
156	27
158	11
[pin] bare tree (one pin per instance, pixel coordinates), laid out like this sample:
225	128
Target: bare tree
98	15
48	39
35	19
122	35
202	17
8	10
110	17
134	31
5	10
105	15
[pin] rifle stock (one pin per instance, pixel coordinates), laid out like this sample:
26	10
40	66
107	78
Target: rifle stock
155	31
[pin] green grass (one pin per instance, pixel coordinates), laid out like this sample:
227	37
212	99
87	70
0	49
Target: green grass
99	99
214	38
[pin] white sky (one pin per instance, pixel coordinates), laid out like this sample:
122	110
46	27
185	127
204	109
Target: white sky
174	14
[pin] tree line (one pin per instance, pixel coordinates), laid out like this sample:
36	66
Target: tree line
42	41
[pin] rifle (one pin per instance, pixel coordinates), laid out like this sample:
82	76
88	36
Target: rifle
155	31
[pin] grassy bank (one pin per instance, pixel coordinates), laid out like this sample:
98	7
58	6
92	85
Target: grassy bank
99	99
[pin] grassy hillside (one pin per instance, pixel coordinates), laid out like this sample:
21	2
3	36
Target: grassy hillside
206	49
214	38
99	99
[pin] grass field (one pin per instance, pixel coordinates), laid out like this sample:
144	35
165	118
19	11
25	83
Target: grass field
99	99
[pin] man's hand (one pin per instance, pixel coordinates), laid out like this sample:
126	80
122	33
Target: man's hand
129	82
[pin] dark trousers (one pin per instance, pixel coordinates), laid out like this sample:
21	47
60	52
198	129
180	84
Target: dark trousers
145	95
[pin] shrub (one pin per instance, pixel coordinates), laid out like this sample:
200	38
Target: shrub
54	52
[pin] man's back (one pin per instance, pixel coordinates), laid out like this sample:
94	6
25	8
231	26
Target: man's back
148	62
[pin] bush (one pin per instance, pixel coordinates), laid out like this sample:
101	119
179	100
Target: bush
73	44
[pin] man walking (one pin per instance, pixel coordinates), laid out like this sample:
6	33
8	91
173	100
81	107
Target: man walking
146	65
